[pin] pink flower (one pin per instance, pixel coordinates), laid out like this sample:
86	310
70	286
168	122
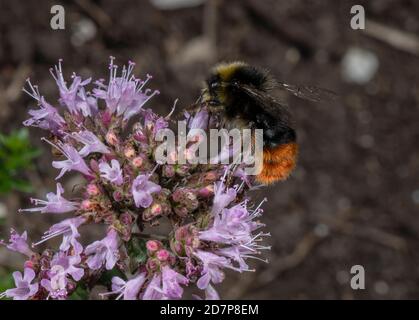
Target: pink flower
67	228
61	266
104	251
124	94
24	287
129	290
166	285
222	197
74	160
210	294
74	98
47	117
154	122
212	265
55	203
153	290
85	103
171	283
231	226
239	253
69	265
91	143
18	243
142	189
112	172
56	285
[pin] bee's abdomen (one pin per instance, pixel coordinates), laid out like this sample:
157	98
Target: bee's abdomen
278	163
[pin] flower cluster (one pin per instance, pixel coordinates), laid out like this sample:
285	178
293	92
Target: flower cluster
214	224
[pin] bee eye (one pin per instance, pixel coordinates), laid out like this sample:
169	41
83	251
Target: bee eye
214	85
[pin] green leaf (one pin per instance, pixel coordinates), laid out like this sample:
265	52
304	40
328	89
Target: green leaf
6	279
16	156
137	252
21	185
81	293
106	277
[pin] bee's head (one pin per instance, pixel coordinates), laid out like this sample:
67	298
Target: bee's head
226	78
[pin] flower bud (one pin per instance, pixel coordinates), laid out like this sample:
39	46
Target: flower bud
94	165
178	248
149	126
129	152
117	196
156	209
191	201
207	191
71	286
126	218
137	162
111	138
189	241
28	264
86	205
182	170
187	200
106	118
177	195
181	233
210	177
152	246
152	265
140	136
152	212
191	269
163	255
181	211
168	171
92	190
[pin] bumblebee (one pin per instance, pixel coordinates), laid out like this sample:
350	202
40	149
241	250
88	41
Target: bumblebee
242	95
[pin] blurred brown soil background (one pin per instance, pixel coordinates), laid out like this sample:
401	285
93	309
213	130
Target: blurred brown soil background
354	198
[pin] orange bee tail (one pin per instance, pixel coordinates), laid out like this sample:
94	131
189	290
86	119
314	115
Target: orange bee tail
278	163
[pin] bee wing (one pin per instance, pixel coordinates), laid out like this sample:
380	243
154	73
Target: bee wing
308	92
268	103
